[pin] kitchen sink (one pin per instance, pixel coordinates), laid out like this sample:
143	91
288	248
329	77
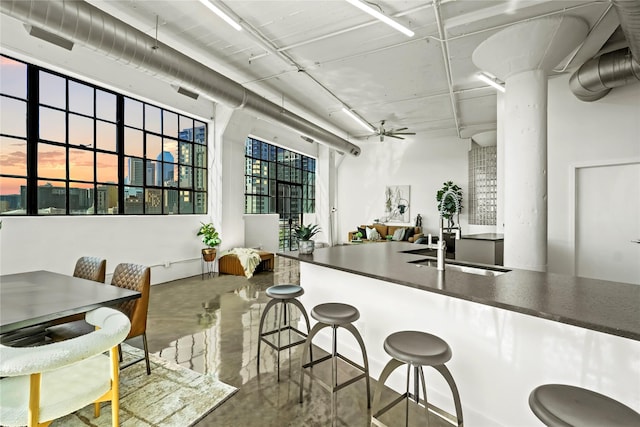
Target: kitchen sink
463	268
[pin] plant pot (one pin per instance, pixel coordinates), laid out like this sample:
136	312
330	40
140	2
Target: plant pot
306	246
209	254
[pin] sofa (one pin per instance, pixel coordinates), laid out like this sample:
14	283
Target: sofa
410	234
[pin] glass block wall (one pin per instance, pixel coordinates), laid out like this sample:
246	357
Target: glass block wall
483	186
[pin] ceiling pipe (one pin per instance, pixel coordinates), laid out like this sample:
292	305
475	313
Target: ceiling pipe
89	26
629	14
596	77
444	46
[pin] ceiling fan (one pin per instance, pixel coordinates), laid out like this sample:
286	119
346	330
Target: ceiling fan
392	133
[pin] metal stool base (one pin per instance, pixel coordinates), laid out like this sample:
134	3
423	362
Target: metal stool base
334	356
281	328
415	396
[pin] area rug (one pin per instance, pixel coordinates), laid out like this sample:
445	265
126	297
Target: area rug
171	396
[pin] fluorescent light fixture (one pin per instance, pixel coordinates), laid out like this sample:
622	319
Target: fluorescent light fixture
49	37
215	9
491	81
384	18
362	123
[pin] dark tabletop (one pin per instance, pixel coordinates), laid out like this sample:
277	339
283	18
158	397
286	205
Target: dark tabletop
599	305
31	298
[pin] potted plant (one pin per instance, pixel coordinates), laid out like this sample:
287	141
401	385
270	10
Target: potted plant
357	237
449	199
304	233
211	238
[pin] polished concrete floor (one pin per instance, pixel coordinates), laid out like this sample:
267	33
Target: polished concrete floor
211	326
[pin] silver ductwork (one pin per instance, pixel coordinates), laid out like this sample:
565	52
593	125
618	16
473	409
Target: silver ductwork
629	15
87	25
596	77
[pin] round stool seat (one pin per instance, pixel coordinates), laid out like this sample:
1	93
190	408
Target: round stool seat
334	313
285	291
564	405
417	348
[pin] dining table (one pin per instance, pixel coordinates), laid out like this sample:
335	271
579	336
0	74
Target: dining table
37	297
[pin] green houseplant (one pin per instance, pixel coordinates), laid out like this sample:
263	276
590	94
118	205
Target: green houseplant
211	238
449	199
304	233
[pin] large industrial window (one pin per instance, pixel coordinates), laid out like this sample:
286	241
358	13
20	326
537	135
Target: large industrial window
279	181
72	148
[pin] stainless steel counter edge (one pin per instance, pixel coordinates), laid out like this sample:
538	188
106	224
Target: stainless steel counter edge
599	305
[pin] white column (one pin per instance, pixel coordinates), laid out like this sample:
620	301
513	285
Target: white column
525	230
521	56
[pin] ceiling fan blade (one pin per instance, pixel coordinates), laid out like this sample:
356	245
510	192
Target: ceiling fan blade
398	130
393	136
402	133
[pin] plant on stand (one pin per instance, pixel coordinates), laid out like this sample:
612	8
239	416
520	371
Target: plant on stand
304	233
449	199
211	238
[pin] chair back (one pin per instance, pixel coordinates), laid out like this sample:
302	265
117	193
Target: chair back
43	383
136	278
90	268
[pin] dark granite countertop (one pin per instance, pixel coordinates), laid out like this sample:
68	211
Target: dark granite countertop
599	305
484	236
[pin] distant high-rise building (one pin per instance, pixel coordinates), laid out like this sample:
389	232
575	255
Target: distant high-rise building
197	135
165	168
150	172
136	172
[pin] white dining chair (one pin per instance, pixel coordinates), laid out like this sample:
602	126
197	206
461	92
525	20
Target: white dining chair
41	384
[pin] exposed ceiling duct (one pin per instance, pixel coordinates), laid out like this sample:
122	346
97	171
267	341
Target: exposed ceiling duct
87	25
596	77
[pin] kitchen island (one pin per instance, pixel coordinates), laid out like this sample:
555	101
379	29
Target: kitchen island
509	332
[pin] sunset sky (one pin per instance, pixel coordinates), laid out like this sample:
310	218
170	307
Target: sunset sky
51	158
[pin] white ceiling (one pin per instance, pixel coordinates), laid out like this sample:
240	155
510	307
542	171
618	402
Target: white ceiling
313	57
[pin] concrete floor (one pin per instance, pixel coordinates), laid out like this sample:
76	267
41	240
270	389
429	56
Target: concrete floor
211	326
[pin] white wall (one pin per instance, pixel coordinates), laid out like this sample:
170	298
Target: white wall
580	133
261	232
55	243
424	165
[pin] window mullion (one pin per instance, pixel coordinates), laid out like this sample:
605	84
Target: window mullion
120	151
33	98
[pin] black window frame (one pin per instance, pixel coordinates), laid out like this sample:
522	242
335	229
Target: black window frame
271	170
177	196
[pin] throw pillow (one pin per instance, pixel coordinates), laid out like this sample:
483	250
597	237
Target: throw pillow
398	235
372	234
409	232
363	230
368	232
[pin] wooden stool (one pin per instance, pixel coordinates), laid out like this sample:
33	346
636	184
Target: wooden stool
283	295
415	349
559	405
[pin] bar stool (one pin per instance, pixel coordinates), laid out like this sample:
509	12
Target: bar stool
283	295
415	349
335	315
565	405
